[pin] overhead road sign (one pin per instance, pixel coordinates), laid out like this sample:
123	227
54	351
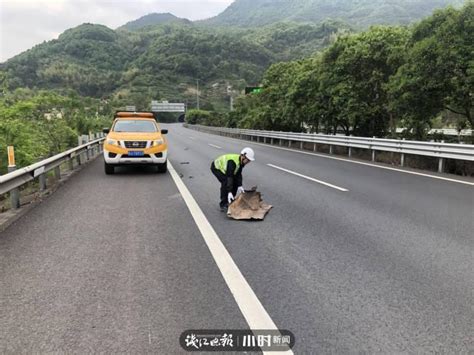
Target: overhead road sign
166	106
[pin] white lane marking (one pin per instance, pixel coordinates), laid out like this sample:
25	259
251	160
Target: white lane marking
308	178
358	162
250	306
215	146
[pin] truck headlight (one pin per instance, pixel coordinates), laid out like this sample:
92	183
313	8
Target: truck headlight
113	142
157	143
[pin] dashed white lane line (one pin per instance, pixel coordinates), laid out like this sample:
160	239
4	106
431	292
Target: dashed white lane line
356	162
308	178
214	146
250	306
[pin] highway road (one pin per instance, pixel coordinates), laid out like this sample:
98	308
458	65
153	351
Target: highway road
352	258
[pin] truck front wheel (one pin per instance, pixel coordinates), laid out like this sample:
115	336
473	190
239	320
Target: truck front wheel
109	169
163	167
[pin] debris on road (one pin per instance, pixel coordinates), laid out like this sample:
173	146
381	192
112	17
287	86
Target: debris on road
184	162
248	205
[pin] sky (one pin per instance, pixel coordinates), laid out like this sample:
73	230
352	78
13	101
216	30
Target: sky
25	23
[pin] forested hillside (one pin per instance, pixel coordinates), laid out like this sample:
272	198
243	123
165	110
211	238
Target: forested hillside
358	13
164	61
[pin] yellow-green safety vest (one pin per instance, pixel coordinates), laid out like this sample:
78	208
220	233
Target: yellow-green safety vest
221	162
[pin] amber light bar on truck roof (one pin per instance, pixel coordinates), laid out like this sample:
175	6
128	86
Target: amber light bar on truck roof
134	114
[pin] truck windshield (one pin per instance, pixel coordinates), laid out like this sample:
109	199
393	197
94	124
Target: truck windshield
134	126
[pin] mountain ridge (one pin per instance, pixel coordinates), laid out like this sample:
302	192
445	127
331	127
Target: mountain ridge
358	13
153	19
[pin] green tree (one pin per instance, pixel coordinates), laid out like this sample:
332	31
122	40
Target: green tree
355	72
439	70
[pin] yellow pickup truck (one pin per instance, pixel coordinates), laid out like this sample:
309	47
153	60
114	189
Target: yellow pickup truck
135	138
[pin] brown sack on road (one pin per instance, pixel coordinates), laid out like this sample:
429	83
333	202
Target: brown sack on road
248	206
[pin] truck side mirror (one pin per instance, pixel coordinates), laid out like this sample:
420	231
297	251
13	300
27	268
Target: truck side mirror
164	131
106	130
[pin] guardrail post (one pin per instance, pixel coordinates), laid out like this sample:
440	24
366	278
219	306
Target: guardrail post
301	145
441	163
330	149
402	158
373	152
42	182
349	149
86	139
315	148
71	164
57	173
15	193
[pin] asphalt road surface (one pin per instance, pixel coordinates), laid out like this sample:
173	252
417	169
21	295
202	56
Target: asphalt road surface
352	258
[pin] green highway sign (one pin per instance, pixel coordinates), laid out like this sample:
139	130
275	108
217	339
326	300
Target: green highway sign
253	90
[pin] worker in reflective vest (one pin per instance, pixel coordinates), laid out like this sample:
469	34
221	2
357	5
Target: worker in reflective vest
228	170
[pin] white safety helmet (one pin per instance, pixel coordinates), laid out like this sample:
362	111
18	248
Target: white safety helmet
249	153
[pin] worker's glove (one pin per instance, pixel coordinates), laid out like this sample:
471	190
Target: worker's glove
240	190
230	198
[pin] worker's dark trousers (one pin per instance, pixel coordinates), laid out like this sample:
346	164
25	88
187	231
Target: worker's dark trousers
223	180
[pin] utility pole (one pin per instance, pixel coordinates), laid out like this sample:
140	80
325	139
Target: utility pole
230	92
197	93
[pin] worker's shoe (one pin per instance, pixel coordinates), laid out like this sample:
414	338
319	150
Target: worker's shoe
223	207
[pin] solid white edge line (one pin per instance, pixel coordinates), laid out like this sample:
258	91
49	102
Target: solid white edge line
353	161
248	303
308	178
214	146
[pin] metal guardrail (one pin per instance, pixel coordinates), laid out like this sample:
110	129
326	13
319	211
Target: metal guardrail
13	180
439	150
445	131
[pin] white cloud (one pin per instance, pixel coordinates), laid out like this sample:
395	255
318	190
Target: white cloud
25	23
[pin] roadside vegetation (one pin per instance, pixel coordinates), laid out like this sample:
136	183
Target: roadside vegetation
42	123
369	83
